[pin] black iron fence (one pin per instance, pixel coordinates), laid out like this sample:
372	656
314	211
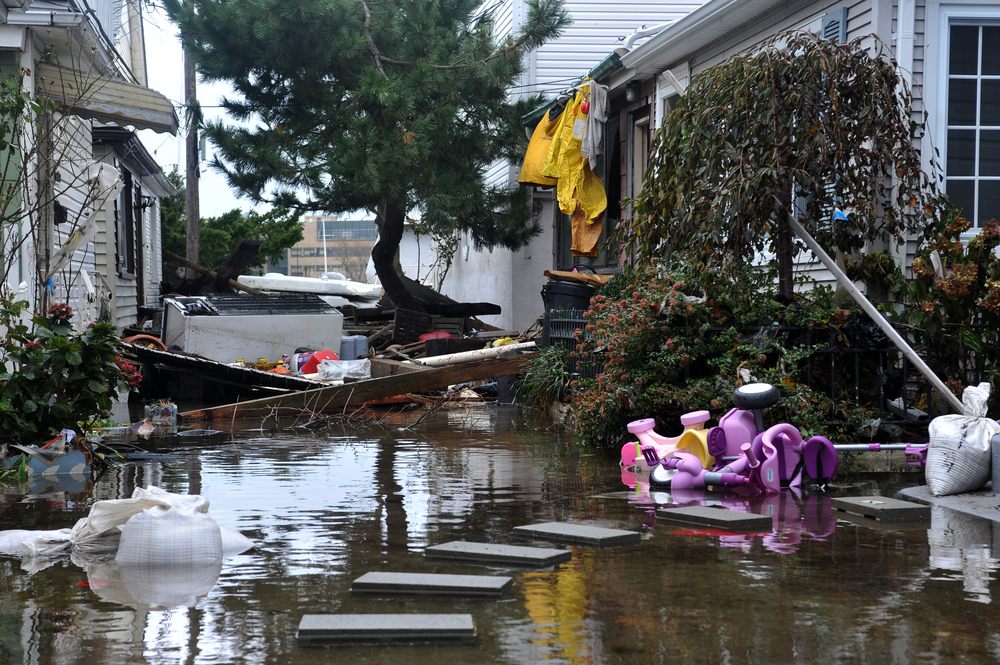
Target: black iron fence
855	363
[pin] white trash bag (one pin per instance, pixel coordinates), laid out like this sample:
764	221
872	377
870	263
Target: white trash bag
338	370
958	458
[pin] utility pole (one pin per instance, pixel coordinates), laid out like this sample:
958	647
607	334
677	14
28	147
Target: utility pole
191	204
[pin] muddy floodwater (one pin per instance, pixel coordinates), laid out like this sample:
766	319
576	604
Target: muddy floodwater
322	509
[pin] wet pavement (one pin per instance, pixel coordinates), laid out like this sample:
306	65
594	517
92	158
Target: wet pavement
323	509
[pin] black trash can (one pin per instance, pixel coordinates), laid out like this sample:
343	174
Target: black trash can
565	294
565	302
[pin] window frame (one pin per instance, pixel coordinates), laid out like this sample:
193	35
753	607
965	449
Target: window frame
948	15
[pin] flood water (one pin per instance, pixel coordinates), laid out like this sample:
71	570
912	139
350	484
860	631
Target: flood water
323	509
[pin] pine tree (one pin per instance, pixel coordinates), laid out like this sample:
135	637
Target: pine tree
393	106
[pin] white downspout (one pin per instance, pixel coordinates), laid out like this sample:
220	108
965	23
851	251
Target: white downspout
904	40
643	31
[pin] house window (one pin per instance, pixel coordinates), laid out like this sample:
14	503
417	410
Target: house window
125	227
972	162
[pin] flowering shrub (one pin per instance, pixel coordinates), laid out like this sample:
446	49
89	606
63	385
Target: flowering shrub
667	351
52	376
954	301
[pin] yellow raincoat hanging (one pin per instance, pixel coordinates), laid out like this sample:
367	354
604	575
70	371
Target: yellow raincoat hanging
579	191
538	150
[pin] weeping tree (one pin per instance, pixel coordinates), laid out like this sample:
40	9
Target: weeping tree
798	126
396	107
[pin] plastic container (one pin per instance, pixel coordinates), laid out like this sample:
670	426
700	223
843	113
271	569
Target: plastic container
435	334
312	363
564	294
353	347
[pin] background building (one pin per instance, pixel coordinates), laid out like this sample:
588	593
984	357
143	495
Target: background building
332	244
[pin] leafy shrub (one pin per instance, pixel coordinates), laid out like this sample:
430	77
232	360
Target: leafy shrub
52	376
953	302
545	378
666	352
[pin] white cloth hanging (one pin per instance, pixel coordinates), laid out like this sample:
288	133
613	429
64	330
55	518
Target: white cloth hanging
598	115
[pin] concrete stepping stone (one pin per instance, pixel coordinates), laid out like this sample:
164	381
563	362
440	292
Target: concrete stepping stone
883	508
491	553
721	518
320	628
584	534
431	583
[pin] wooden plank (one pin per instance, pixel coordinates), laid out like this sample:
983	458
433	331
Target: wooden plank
431	583
332	399
883	508
317	628
565	532
491	553
722	518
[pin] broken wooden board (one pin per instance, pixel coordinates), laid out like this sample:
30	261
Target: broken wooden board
722	518
491	553
431	583
586	534
332	399
883	508
320	628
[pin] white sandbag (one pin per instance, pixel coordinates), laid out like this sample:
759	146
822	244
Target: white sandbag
98	532
958	458
22	543
170	537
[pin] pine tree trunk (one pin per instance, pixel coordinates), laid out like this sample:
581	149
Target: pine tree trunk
390	225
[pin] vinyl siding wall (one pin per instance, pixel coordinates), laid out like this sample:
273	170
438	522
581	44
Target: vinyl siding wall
71	139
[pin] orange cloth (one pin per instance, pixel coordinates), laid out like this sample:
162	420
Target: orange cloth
586	233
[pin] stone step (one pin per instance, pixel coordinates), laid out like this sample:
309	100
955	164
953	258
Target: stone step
431	583
492	553
883	508
319	628
584	534
721	518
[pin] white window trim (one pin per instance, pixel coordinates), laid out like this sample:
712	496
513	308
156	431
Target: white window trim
666	88
940	16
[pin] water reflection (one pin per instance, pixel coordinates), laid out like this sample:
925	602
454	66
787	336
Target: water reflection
965	545
794	513
324	509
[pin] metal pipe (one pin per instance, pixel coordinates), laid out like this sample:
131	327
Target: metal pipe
478	354
876	316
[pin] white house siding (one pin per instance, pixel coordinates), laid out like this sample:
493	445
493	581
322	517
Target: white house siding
504	25
71	138
599	27
798	14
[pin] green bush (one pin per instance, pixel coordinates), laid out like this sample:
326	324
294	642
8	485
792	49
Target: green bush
54	377
953	302
667	351
545	378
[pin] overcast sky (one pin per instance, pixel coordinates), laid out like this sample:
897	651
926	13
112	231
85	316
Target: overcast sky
165	63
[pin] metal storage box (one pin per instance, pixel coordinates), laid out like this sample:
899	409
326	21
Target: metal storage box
229	327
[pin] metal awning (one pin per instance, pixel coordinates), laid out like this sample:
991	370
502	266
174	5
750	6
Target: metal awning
105	99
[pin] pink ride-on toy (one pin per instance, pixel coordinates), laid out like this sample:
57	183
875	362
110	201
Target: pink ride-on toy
663	445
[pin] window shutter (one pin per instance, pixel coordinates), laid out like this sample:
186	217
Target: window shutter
834	26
